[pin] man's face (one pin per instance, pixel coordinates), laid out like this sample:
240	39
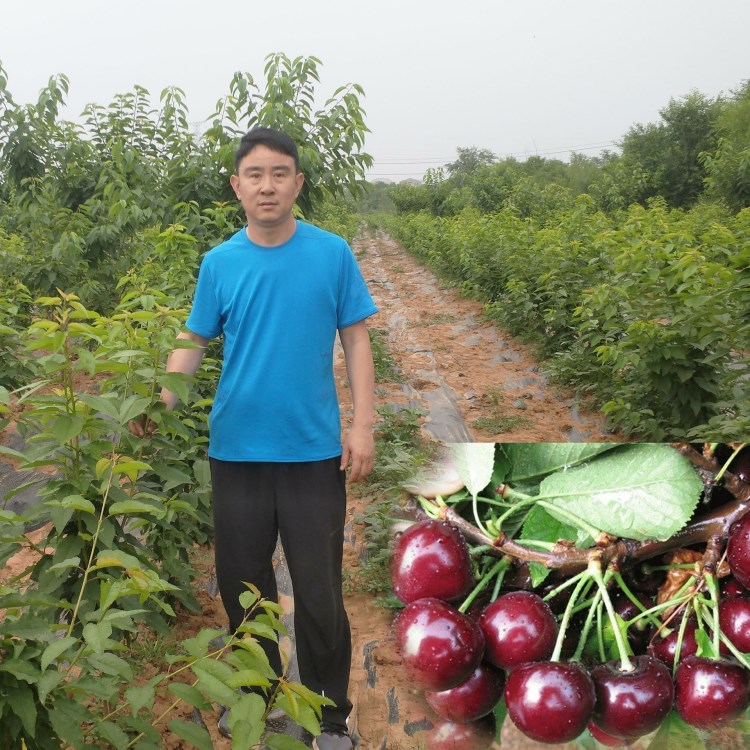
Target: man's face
267	185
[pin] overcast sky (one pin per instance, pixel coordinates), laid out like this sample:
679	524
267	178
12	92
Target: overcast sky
522	77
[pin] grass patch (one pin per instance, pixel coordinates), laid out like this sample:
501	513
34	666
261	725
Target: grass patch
497	419
386	369
436	319
501	423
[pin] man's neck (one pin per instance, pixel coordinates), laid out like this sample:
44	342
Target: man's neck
271	236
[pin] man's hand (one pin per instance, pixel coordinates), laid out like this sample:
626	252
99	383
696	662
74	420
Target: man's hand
142	426
358	453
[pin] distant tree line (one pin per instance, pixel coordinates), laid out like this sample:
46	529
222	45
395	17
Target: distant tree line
699	150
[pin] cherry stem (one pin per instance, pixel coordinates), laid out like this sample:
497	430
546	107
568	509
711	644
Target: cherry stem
593	607
680	638
713	590
644	611
583	580
498	569
595	569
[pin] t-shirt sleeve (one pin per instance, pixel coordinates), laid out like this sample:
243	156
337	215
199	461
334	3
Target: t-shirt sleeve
205	316
355	302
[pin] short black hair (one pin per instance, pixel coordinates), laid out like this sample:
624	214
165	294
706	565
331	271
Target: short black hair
270	138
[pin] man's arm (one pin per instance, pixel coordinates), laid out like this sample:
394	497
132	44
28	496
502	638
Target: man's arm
186	361
359	446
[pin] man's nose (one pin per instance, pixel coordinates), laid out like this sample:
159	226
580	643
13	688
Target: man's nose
266	183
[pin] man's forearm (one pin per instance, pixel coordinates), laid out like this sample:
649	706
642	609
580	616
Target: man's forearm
186	361
360	370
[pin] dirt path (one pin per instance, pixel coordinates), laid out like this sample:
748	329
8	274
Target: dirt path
472	380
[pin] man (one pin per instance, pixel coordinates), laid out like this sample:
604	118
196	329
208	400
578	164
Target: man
278	290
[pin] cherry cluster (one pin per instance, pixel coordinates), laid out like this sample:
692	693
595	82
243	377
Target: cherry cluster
514	645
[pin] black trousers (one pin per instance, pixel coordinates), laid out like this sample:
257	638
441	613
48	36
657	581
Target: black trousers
305	504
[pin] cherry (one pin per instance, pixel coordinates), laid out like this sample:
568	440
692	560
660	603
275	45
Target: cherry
738	550
449	735
518	627
606	739
740	466
470	700
440	647
632	703
710	692
550	701
730	586
637	633
431	559
734	621
664	647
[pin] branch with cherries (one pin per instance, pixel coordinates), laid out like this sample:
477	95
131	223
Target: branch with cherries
589	591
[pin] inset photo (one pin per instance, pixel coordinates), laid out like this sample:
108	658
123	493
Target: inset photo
574	595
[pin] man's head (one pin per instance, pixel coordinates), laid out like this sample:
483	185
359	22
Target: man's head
267	182
272	139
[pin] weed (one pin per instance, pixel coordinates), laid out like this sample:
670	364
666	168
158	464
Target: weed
436	319
497	423
386	369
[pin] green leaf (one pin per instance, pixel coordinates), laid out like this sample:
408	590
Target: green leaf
676	734
105	404
246	721
113	734
66	427
284	742
111	664
529	460
21	701
474	463
22	670
140	696
214	688
300	711
67	719
47	683
193	733
134	506
74	502
177	383
71	562
96	635
56	649
643	491
190	694
248	598
132	407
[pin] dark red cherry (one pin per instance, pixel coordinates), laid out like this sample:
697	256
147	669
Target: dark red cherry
439	646
450	735
431	559
730	586
637	632
738	550
606	739
518	627
471	700
550	702
632	703
734	621
708	692
740	466
664	647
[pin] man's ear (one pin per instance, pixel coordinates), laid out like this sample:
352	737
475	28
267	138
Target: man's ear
234	181
300	179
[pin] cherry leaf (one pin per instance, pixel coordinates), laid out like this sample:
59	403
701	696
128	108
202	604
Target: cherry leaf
640	491
475	463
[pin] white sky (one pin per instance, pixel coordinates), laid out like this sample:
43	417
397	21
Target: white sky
520	77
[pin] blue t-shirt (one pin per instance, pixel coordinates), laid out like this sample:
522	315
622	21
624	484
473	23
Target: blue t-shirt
279	309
